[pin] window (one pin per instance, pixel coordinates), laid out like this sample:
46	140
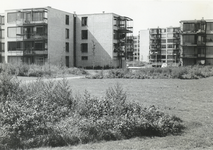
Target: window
67	33
38	16
188	27
39	46
163	41
169	46
11	17
67	20
13	31
163	46
84	34
209	26
84	47
1	47
67	61
1	19
40	30
2	34
170	40
12	46
115	34
67	47
39	60
84	58
84	21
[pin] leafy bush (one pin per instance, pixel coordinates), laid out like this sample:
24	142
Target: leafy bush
46	114
39	71
189	72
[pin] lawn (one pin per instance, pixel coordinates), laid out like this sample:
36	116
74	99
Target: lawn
191	100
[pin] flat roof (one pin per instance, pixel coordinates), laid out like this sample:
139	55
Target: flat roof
195	21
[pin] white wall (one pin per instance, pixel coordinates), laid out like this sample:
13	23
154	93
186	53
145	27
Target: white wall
144	45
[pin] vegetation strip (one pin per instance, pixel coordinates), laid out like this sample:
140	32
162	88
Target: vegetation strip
47	114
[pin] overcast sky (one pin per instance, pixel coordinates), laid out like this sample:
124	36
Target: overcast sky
145	13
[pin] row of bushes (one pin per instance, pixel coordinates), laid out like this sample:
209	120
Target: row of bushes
189	72
47	114
39	71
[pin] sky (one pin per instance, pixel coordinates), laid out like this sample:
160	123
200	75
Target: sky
145	13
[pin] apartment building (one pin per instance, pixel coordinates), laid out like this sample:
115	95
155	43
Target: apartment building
102	40
196	42
136	52
47	35
144	45
164	46
37	36
2	36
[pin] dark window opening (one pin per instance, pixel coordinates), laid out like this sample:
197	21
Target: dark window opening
67	61
1	47
67	47
84	34
67	33
2	33
67	20
2	20
84	58
84	21
84	47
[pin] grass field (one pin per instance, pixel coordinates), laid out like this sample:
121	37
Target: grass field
191	100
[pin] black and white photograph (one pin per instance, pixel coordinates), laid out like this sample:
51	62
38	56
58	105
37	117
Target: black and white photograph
106	75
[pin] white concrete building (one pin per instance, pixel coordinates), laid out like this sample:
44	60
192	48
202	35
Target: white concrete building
144	45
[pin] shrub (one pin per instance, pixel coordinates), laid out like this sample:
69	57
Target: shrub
46	114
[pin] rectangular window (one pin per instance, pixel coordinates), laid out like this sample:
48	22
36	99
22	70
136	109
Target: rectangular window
2	20
11	17
84	21
67	20
67	61
209	26
39	46
170	40
84	34
67	33
38	16
169	46
84	58
115	34
2	34
1	47
13	31
84	47
163	46
67	46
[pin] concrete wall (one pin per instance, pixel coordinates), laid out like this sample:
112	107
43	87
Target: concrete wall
100	30
57	37
144	45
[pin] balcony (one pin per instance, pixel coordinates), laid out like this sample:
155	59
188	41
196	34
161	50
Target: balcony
32	36
188	44
34	52
188	55
15	53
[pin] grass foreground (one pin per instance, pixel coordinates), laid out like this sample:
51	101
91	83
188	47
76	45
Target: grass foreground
191	100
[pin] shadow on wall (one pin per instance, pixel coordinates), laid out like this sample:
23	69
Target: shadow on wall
92	51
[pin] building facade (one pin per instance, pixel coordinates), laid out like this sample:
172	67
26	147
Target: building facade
196	42
164	46
136	52
102	40
47	35
144	45
37	36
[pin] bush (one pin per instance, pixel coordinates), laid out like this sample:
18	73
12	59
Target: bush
188	72
46	114
40	71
